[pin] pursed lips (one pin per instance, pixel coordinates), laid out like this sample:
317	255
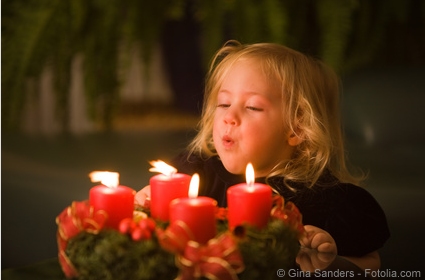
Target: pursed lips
227	141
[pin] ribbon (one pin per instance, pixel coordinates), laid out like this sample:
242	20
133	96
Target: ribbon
175	238
74	219
219	259
221	213
288	213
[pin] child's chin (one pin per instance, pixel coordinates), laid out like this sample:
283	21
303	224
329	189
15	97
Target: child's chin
234	168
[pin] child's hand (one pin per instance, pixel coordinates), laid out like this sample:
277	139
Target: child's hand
141	195
310	259
319	239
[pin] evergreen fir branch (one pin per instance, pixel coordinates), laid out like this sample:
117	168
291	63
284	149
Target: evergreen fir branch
35	33
335	20
21	54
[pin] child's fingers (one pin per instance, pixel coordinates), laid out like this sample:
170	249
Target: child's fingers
327	247
316	238
141	195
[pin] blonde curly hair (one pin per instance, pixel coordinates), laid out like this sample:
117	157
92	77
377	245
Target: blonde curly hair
310	101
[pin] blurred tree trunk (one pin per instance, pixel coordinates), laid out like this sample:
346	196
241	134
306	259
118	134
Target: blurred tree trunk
183	60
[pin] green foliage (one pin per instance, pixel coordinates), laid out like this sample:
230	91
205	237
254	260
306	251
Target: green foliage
39	33
25	47
266	251
112	255
334	18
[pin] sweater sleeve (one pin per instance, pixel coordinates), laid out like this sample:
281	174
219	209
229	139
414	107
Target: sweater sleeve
357	222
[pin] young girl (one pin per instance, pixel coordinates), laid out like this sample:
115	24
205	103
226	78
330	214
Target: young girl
279	109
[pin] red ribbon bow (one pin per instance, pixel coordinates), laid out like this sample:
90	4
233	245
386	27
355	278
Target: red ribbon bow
288	213
219	259
175	238
73	220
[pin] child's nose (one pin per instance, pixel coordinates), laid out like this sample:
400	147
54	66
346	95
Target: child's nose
231	117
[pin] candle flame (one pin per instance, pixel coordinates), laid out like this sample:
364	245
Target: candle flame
249	174
194	186
162	167
109	179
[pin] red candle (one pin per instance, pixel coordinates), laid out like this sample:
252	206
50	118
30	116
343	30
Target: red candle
163	190
198	213
117	201
249	203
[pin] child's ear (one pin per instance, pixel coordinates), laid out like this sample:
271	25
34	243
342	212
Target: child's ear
295	139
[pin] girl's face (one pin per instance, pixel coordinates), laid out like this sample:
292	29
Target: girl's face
248	121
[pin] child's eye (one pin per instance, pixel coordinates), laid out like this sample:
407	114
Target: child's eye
252	108
223	105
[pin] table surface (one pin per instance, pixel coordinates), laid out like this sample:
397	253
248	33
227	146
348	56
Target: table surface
47	269
313	266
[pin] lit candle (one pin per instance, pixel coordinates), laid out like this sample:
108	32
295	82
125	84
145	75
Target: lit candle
115	200
249	203
198	213
165	187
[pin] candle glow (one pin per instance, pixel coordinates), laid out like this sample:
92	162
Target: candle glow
194	186
250	175
109	179
162	167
